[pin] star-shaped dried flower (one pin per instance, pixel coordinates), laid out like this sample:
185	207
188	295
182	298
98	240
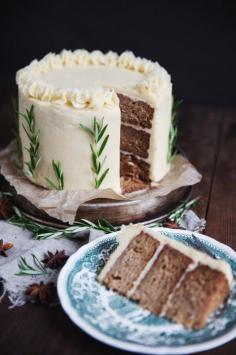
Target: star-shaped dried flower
42	293
55	260
4	247
6	210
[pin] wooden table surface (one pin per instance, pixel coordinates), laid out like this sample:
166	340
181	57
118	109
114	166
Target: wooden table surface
208	135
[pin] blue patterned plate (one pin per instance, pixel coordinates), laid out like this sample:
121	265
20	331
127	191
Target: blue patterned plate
116	321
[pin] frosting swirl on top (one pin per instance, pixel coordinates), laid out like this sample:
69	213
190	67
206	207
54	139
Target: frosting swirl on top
31	83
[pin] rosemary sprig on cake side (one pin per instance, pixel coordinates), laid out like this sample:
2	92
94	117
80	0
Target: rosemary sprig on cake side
41	232
16	129
97	132
33	135
173	130
59	185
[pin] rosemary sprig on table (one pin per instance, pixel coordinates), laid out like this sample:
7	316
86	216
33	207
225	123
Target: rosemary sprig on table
26	269
59	185
16	129
174	218
97	132
33	135
41	232
178	214
173	130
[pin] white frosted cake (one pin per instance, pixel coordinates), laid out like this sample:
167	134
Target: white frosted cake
166	276
89	120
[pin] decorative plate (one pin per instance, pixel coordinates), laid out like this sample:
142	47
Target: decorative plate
121	323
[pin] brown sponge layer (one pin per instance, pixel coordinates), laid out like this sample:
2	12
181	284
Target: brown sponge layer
133	167
200	293
135	112
134	141
130	184
161	279
128	266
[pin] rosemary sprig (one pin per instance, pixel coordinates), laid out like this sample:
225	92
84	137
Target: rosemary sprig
59	185
16	129
27	269
178	214
41	232
33	135
173	130
97	132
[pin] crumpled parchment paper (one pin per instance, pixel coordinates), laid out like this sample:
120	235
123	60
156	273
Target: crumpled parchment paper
63	205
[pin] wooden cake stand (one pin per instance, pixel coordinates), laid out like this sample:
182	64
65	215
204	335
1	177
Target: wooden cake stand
145	207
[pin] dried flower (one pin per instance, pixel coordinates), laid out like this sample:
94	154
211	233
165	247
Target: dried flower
55	260
42	293
4	247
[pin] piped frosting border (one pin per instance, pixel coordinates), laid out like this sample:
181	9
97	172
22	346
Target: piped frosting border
28	79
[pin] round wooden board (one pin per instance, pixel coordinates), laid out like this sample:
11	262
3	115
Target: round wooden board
145	207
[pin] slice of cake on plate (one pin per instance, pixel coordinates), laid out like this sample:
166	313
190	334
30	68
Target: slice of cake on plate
89	120
167	277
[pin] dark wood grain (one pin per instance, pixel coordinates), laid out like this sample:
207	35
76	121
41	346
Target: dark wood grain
199	136
208	135
221	214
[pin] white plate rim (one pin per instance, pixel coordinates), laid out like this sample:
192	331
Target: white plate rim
124	345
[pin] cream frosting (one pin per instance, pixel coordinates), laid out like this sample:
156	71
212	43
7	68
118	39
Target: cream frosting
70	88
152	81
127	233
63	140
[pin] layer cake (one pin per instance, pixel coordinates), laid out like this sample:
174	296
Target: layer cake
64	99
167	277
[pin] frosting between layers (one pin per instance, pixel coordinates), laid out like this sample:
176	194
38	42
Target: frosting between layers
129	232
190	268
145	270
154	79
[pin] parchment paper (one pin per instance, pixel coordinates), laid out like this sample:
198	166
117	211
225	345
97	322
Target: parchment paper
63	205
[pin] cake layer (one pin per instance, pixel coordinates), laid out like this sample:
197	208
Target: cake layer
136	112
175	281
130	166
161	279
129	184
134	259
200	293
135	141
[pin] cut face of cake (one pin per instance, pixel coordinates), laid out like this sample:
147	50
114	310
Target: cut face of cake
167	277
101	119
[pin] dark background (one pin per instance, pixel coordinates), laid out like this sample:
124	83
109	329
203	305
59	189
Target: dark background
194	40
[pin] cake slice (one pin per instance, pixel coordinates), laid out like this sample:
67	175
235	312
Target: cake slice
167	277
